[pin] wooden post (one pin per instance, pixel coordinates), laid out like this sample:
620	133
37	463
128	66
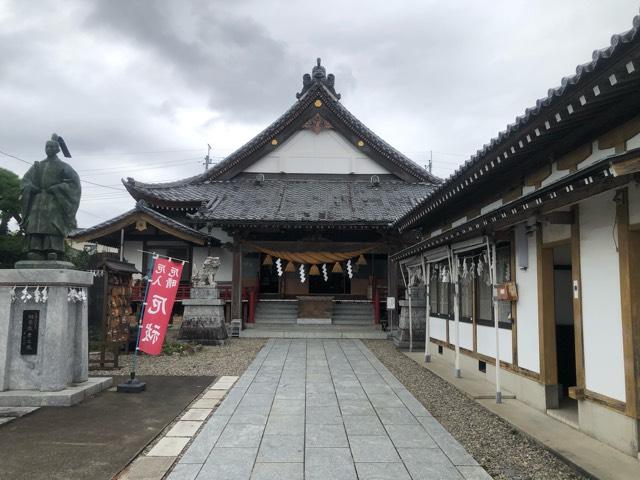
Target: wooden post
236	283
577	298
629	258
392	289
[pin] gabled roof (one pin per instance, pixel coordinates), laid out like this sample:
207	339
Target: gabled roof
140	212
317	97
600	93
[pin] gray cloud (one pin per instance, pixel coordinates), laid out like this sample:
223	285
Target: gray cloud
121	78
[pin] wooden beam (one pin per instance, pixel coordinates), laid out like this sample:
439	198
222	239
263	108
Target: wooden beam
557	218
629	258
546	314
618	137
626	167
577	299
571	160
236	283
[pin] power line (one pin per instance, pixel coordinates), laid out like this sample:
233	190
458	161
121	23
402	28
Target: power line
85	181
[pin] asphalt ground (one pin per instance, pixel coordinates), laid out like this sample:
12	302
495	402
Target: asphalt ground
96	438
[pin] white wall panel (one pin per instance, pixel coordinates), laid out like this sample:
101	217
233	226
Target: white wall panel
466	335
325	152
132	253
601	310
527	310
487	342
438	329
634	203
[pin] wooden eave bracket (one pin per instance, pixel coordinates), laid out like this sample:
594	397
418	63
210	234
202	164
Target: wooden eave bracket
557	218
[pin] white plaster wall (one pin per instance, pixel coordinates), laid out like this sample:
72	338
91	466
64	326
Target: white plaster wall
325	152
596	155
466	335
226	262
555	175
555	233
634	203
438	328
221	235
633	142
601	310
460	221
487	342
490	207
527	310
131	253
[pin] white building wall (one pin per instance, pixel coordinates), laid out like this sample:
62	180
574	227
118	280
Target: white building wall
438	328
132	253
325	152
466	335
601	310
486	337
527	310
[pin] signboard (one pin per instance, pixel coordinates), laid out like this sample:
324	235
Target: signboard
29	338
161	295
391	303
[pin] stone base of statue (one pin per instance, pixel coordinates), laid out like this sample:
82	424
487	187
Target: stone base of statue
203	318
44	357
401	337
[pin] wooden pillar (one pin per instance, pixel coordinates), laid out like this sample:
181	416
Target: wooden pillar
629	258
547	322
236	283
392	288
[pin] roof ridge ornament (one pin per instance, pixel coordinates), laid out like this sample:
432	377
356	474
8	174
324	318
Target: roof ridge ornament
318	76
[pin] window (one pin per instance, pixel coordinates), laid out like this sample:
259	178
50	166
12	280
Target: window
441	293
466	297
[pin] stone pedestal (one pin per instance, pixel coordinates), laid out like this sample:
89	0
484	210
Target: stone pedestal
418	305
203	318
44	345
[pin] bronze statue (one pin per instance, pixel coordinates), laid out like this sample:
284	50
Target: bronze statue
50	200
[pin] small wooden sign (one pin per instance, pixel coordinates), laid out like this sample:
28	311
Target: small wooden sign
506	292
29	339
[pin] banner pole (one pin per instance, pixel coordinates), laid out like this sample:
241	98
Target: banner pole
134	385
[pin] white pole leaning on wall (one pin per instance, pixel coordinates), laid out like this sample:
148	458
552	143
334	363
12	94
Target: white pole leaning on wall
427	310
453	277
410	315
493	270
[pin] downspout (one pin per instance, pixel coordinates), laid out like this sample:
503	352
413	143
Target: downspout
491	254
427	309
453	267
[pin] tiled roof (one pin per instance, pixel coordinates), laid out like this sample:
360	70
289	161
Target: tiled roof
304	199
519	134
140	208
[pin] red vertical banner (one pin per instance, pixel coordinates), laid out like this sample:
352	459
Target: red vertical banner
158	305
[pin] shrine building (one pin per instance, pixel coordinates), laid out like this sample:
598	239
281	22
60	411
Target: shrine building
304	210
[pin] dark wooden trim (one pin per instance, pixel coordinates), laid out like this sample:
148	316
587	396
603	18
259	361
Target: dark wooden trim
489	323
605	401
629	259
236	282
514	307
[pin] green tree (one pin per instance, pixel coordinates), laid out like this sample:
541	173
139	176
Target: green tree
9	199
11	243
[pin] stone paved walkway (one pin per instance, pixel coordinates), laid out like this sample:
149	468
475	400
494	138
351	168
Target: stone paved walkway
322	410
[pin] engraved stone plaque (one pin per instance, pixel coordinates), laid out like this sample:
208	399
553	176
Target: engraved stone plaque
29	340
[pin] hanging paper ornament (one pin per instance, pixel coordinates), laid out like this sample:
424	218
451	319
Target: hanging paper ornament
37	295
314	270
45	294
349	269
480	267
325	273
361	260
302	275
445	275
25	295
279	267
12	294
465	270
267	260
290	268
337	268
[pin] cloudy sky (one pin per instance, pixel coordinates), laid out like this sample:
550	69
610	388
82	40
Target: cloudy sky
138	88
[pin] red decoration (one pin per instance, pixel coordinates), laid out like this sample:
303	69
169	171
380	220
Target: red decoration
158	305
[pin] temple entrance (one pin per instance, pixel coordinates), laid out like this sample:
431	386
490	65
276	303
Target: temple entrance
269	280
338	283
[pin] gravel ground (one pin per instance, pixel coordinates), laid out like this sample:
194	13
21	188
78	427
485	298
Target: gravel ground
503	451
230	359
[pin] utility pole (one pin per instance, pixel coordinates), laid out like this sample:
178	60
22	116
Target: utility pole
207	159
430	161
